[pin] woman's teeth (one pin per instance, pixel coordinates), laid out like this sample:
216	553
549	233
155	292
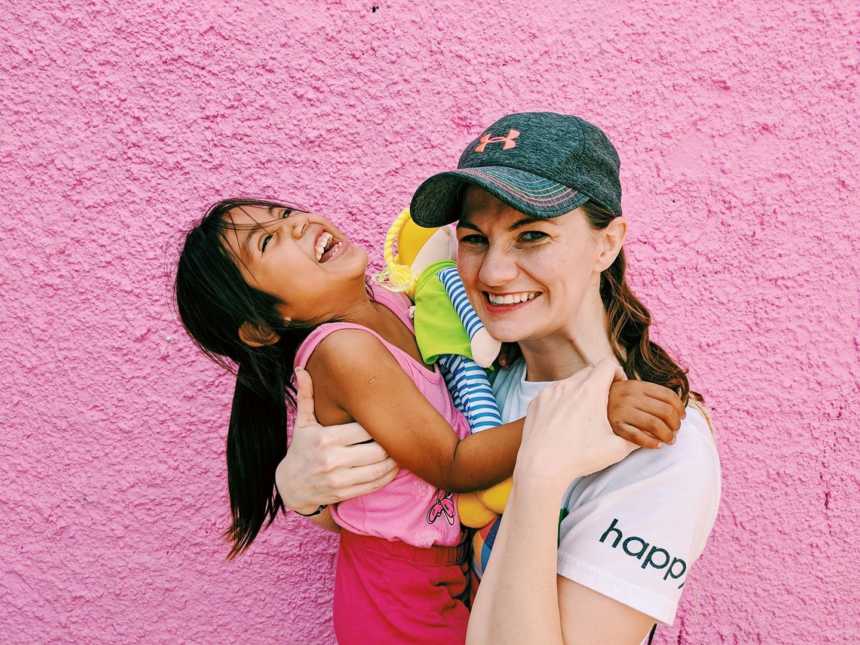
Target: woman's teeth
512	298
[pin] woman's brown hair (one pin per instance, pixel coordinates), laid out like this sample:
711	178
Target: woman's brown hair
629	323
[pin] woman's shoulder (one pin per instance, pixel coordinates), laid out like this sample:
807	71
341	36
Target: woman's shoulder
691	464
693	456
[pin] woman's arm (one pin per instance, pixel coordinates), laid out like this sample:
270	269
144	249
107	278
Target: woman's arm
521	599
325	465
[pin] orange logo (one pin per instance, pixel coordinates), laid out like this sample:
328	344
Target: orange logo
510	140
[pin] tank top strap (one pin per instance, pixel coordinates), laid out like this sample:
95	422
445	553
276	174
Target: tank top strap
399	303
319	334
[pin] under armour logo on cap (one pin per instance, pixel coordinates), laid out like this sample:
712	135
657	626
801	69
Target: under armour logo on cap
510	140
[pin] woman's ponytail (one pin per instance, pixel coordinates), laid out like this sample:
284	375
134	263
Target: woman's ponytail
630	322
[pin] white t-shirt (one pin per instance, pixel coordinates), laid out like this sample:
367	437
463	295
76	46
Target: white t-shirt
633	530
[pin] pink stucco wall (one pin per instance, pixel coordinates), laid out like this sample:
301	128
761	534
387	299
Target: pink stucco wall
119	121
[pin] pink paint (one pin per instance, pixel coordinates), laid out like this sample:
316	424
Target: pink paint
119	122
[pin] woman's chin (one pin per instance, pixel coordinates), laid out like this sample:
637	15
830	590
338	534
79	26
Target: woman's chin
507	333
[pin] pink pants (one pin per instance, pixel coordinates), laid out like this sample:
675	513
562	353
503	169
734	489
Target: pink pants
391	592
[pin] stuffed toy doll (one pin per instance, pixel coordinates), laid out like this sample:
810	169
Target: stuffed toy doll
448	331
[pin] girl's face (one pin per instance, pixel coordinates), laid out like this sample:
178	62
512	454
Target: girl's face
525	277
300	258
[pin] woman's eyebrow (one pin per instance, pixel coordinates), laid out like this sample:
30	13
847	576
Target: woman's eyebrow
529	220
465	223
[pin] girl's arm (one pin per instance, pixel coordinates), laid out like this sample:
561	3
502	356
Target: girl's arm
521	599
356	378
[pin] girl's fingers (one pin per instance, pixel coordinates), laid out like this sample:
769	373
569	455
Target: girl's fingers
634	435
665	395
667	413
651	424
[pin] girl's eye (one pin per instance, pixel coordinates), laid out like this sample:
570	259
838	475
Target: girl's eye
265	243
532	236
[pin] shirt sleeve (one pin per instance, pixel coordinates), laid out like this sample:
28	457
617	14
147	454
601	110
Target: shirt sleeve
633	531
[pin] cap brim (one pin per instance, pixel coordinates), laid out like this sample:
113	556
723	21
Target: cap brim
437	200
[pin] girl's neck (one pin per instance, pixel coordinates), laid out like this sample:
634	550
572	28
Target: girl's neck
361	310
583	342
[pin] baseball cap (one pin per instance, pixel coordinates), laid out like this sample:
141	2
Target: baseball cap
540	163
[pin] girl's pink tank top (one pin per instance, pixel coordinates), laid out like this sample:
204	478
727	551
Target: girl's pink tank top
407	509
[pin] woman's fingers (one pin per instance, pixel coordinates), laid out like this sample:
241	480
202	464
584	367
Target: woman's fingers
364	454
636	436
304	399
369	486
343	481
346	434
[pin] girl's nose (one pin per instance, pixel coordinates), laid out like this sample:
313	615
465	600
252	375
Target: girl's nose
298	223
498	267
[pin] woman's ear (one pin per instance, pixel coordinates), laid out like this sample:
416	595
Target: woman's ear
611	241
257	335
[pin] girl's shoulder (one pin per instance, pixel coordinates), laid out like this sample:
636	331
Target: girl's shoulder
335	332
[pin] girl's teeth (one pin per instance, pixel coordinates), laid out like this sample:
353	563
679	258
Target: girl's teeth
322	243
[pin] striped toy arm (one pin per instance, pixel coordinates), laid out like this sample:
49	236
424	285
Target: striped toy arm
485	348
471	391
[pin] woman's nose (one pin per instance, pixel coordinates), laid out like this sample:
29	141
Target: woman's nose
497	268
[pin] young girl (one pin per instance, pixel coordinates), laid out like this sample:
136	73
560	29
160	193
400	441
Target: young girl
274	289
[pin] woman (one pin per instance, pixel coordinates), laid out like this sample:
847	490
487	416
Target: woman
538	201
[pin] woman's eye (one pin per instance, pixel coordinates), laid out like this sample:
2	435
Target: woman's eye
473	239
532	236
287	212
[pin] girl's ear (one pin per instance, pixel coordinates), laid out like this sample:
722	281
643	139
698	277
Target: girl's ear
257	335
611	241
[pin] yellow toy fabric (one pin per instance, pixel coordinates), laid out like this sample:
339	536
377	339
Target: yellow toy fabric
415	257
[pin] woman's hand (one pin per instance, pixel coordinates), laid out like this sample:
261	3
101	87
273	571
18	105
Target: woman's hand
645	413
326	465
567	433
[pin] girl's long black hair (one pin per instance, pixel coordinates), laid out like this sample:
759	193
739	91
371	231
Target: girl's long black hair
213	301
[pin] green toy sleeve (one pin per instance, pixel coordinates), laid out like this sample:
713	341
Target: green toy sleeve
438	329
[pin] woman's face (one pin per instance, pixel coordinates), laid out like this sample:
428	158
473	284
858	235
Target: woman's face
525	277
300	258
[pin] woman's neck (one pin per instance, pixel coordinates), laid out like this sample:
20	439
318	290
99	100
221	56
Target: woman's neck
583	342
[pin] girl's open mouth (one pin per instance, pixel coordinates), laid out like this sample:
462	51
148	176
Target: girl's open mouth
327	247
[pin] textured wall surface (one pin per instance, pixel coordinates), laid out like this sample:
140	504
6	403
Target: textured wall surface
119	121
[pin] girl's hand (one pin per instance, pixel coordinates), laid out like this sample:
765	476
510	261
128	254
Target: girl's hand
328	464
567	433
645	413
